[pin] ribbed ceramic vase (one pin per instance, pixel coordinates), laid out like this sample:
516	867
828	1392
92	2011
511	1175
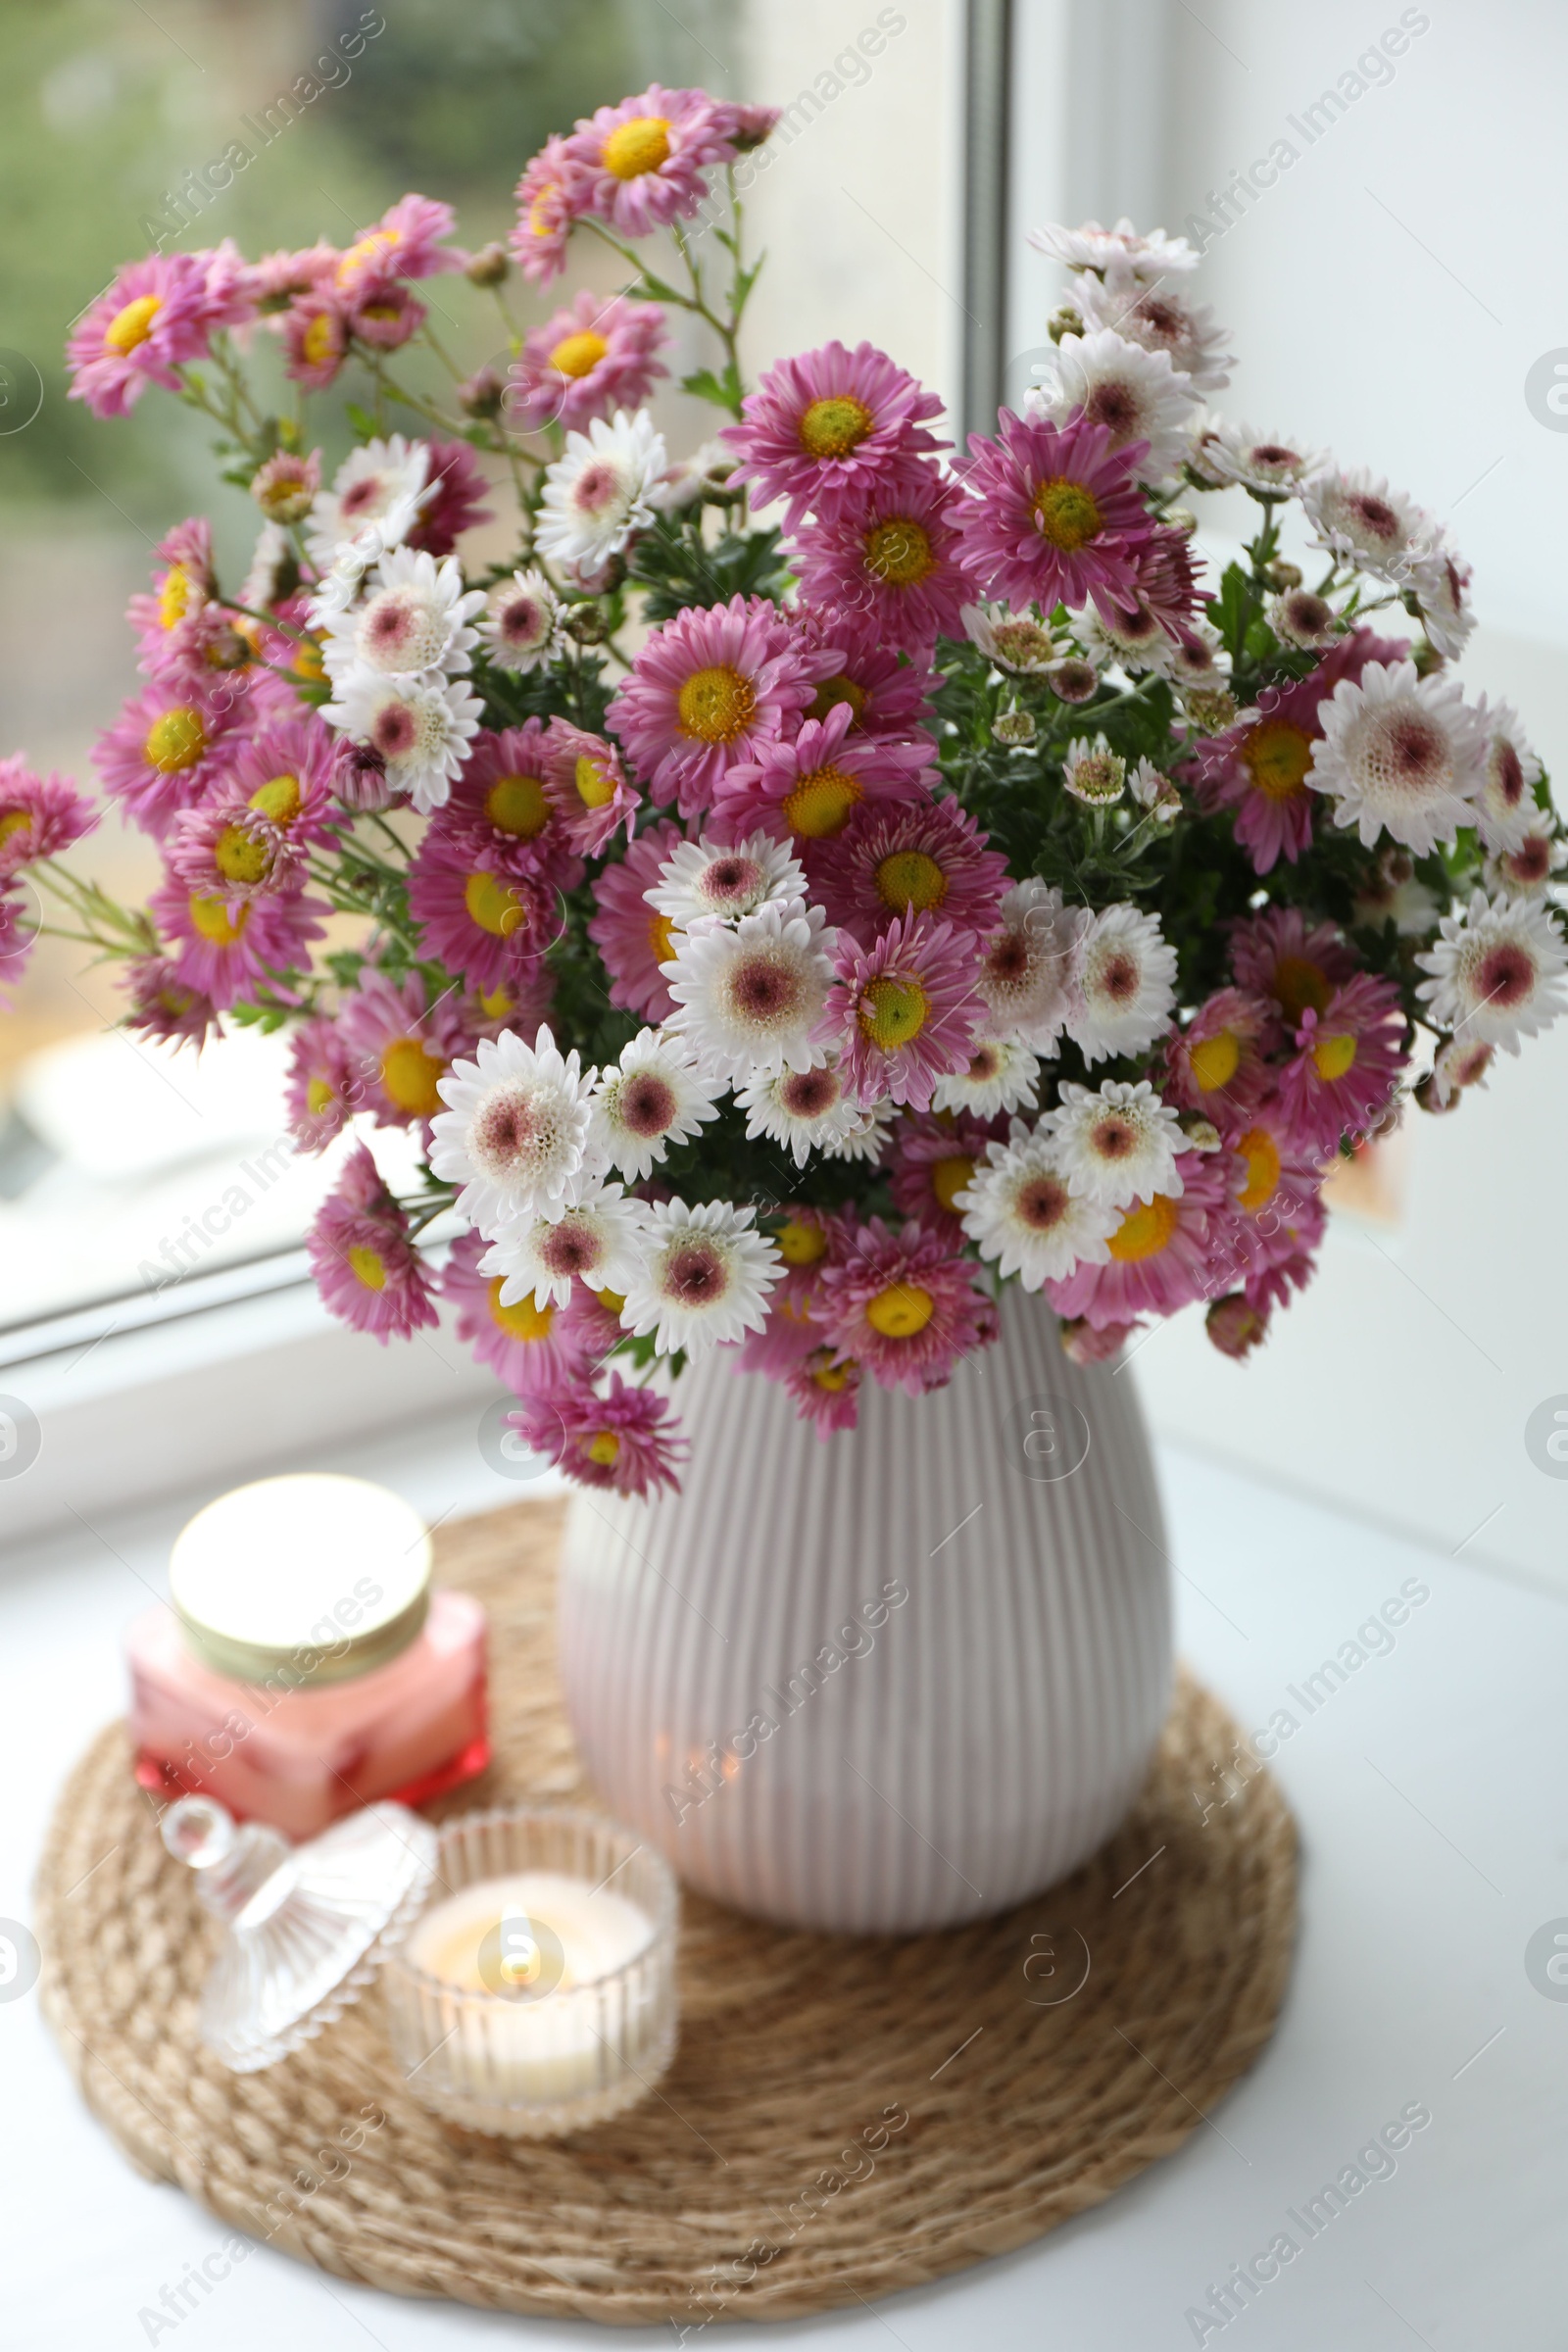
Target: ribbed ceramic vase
893	1681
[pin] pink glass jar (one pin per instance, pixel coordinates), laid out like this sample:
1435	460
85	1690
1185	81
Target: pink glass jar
302	1667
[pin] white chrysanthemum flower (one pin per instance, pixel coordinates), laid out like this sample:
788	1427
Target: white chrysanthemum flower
274	569
1093	772
414	621
1458	1064
372	505
1357	515
1135	393
1001	1076
522	627
1015	641
1134	640
1400	754
1091	247
421	727
516	1131
1442	584
868	1139
684	481
1116	1144
806	1111
1028	976
1505	806
1155	792
1302	617
598	1242
1198	659
704	1277
1157	317
1529	870
748	996
1021	1213
703	878
1226	453
1126	985
597	494
653	1097
1497	971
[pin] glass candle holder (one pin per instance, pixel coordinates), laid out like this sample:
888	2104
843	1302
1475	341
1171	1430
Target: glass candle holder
536	1993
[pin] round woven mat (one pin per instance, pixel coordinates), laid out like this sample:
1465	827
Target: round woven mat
844	2116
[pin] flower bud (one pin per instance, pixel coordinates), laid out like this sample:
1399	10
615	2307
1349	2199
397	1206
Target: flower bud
1064	321
588	622
488	267
482	394
1015	727
1235	1327
1281	576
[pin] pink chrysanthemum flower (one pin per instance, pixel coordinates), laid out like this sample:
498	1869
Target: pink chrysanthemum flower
633	938
1349	1061
711	689
387	318
39	815
892	553
166	1007
285	484
405	242
316	341
535	1349
1215	1066
277	276
626	1440
888	693
19	934
827	1389
359	778
905	1306
401	1049
589	787
181	586
321	1093
744	126
164	751
484	916
597	354
825	425
1082	1344
933	1160
1054	515
452	501
366	1268
1168	588
1159	1254
554	192
643	161
223	950
929	858
505	803
274	804
157	313
1274	955
902	1012
807	788
1277	1195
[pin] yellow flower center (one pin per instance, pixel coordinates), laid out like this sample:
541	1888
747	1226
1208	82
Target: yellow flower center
409	1074
594	787
1145	1230
822	802
909	878
517	805
898	553
661	937
278	798
238	855
832	427
522	1321
612	1302
494	905
496	1001
638	146
367	1265
579	354
132	326
948	1177
318	342
318	1097
1213	1061
834	691
893	1012
307	662
176	739
1277	757
1299	983
1066	514
175	596
717	705
369	248
603	1447
1260	1155
901	1312
213	920
832	1377
800	1244
1332	1056
13	822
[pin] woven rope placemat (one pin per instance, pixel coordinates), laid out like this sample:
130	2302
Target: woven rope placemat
844	2116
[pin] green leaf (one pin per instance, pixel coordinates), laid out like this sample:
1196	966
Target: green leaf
724	391
362	421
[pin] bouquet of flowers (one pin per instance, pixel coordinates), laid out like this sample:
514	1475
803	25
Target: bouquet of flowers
781	937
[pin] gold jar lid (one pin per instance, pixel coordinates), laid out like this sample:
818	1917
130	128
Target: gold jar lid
303	1581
